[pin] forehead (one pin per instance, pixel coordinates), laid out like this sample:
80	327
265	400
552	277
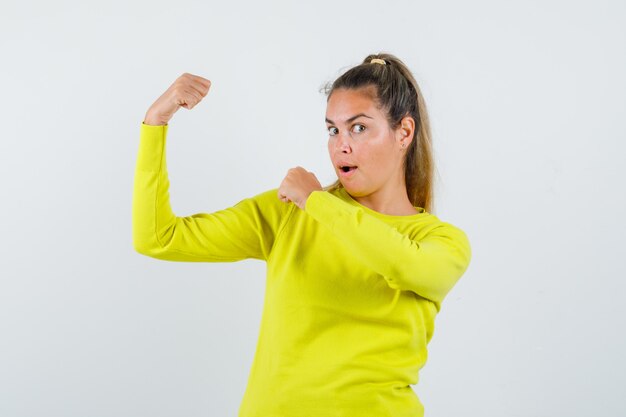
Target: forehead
343	104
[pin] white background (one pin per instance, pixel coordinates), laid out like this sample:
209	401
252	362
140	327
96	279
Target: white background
527	103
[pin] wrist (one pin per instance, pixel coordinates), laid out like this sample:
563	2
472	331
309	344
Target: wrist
153	121
306	199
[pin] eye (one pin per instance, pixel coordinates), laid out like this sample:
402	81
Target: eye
330	129
361	126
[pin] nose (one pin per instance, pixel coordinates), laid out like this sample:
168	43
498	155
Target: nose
343	142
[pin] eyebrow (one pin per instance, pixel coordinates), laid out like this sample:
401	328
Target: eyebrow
351	118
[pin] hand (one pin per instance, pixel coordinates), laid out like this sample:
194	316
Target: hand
187	91
297	185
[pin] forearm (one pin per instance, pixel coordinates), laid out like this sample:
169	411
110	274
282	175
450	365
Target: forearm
429	267
152	215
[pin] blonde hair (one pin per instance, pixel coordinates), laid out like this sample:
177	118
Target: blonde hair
398	95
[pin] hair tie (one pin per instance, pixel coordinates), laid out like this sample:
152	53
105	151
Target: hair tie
378	61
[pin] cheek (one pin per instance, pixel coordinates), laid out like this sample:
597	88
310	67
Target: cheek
380	160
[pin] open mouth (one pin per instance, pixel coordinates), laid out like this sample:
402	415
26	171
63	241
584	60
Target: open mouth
348	168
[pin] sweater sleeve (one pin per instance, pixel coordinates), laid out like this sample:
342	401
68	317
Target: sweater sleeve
430	267
246	230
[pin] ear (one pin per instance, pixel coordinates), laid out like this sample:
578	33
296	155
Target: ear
404	133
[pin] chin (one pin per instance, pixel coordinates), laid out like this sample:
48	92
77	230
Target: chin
353	191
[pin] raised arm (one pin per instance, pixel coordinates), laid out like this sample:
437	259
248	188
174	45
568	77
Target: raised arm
430	267
246	230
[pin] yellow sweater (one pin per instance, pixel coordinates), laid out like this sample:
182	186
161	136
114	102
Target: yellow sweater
351	294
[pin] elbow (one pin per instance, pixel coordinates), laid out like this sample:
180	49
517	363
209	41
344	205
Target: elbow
142	247
450	275
438	284
146	238
455	260
434	277
152	251
144	243
434	267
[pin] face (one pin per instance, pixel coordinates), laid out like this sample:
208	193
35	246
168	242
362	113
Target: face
360	136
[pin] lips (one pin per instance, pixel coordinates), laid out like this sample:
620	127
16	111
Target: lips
347	171
345	165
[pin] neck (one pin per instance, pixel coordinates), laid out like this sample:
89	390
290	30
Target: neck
388	201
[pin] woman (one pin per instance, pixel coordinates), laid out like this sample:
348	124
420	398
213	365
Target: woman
356	271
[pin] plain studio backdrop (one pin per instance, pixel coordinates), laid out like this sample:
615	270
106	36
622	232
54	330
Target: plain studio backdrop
527	104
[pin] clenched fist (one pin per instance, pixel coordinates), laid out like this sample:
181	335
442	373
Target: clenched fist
297	185
187	91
